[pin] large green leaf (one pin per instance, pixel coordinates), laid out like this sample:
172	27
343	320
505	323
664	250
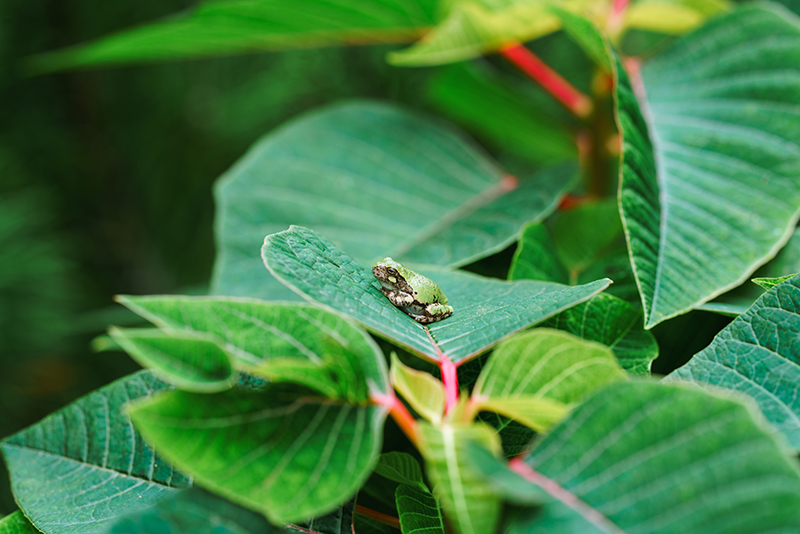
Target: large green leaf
710	183
195	511
419	512
758	354
378	181
535	376
284	452
648	458
224	27
614	323
278	341
401	467
16	523
486	310
80	468
476	27
182	360
198	512
471	506
739	299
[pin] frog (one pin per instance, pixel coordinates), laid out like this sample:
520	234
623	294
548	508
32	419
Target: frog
415	295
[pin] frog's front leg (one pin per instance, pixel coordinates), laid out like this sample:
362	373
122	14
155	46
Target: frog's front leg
399	298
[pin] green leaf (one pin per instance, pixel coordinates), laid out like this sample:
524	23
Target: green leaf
80	468
476	27
471	506
421	390
16	523
533	377
419	512
614	323
501	115
710	171
281	342
378	181
536	257
280	451
182	360
645	457
225	27
769	283
672	16
197	512
737	300
486	310
757	354
402	468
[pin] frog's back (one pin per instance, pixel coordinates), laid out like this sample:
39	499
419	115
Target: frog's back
427	290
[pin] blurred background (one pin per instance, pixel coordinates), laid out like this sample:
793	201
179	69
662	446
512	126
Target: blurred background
106	181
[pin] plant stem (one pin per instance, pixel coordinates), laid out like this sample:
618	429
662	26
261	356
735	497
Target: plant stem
616	18
399	413
378	516
449	375
450	381
576	102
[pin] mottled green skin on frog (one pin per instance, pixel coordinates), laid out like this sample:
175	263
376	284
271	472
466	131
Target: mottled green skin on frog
416	295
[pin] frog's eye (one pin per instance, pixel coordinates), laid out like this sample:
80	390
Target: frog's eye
391	270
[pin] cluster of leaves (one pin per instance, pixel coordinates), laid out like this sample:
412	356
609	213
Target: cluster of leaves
278	408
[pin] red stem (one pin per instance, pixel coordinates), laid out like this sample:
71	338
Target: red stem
570	499
450	381
378	516
616	18
449	375
399	413
563	91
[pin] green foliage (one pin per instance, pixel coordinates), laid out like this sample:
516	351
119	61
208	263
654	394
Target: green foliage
323	273
757	355
713	124
278	409
381	182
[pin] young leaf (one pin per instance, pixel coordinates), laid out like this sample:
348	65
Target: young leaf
645	457
533	377
614	323
672	16
224	27
737	300
471	506
182	360
419	512
16	523
720	115
769	283
281	451
486	310
421	390
477	27
84	466
757	354
281	342
378	181
402	468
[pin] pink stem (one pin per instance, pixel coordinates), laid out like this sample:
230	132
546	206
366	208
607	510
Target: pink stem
399	413
552	82
450	380
570	499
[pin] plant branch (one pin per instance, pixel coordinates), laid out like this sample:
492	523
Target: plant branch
616	18
576	102
399	413
378	516
449	375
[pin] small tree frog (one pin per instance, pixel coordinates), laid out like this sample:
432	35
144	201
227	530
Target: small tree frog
416	295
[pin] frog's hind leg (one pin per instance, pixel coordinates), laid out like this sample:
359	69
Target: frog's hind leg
424	319
399	299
